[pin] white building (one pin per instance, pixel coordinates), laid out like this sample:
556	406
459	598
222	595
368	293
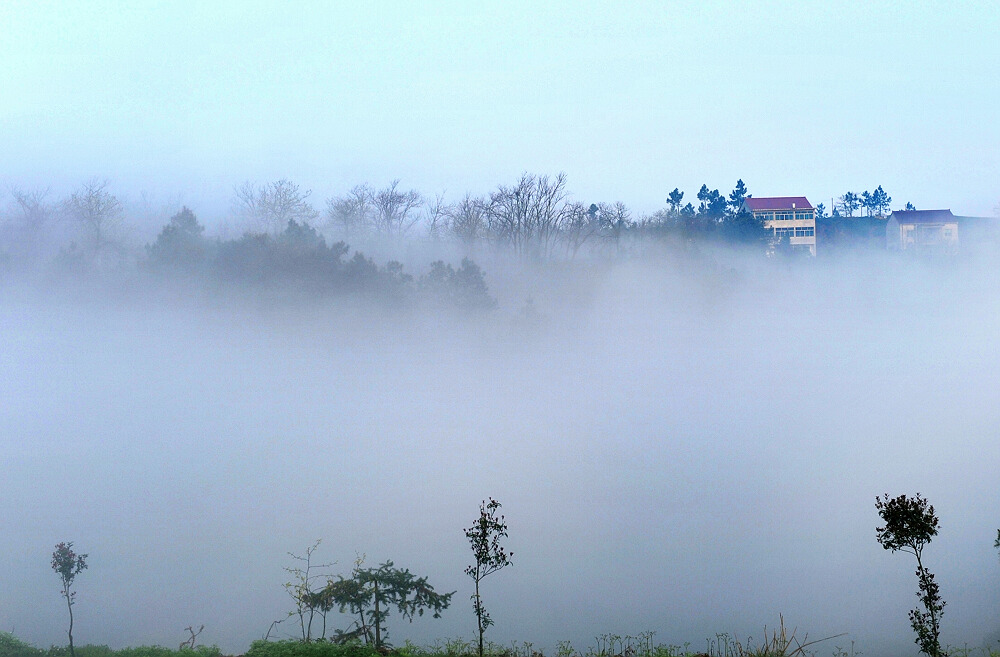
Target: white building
922	231
793	217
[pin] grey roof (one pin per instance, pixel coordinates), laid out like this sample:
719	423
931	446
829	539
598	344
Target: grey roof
923	216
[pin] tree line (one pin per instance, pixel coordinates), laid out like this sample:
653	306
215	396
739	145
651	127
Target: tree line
872	204
534	217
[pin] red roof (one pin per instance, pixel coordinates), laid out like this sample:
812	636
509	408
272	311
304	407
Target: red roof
923	216
779	203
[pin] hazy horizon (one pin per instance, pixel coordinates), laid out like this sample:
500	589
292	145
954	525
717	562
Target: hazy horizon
630	101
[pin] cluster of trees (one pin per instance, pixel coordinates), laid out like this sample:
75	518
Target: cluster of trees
366	596
871	204
284	248
299	255
534	217
716	217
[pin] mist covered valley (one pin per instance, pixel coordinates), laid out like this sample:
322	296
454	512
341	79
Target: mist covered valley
684	441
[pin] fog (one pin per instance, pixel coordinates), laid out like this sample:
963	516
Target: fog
683	443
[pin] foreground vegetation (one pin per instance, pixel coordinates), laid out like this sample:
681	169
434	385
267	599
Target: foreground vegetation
779	642
11	646
369	593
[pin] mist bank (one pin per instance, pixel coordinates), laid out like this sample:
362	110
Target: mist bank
685	440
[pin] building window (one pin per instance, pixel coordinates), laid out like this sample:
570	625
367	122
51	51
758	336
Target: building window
805	232
784	216
804	215
784	232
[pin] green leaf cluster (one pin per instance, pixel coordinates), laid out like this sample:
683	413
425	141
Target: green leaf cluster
910	524
370	593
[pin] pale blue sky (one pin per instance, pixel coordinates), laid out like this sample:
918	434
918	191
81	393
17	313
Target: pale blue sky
630	100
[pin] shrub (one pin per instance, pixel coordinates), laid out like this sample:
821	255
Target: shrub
11	646
294	648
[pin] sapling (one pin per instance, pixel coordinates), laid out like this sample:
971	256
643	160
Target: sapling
484	537
68	564
308	602
910	524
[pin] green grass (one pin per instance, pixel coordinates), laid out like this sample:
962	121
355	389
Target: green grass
11	646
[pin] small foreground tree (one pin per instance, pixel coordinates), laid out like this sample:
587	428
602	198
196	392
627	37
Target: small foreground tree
308	602
68	564
484	537
910	524
370	593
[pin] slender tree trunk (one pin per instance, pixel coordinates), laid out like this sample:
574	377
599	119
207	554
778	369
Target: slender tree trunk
378	621
69	606
929	605
363	624
479	618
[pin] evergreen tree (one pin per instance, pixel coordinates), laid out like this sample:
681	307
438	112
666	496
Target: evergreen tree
674	200
737	197
180	244
370	593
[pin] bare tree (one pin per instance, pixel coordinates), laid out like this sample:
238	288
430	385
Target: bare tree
581	223
270	207
467	220
528	215
395	210
614	220
353	211
31	206
437	216
97	210
30	217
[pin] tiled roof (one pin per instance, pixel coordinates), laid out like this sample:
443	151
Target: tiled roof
923	216
779	203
